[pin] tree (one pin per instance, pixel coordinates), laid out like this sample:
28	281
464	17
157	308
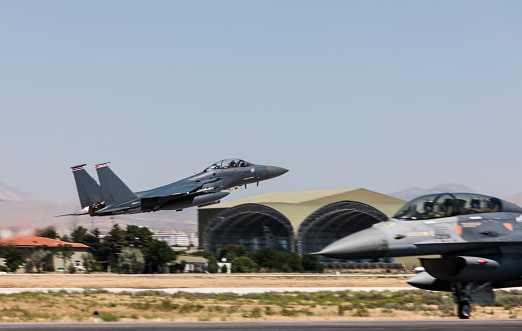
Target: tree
265	258
158	254
224	269
311	263
288	262
37	258
113	243
212	265
138	236
14	257
232	251
182	265
243	264
48	232
131	260
96	247
79	234
28	267
65	252
89	262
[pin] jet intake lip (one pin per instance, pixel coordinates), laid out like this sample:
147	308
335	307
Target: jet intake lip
366	244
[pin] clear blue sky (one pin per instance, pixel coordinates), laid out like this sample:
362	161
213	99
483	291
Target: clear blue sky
383	95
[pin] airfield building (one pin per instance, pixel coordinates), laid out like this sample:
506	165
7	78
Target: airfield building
29	244
301	222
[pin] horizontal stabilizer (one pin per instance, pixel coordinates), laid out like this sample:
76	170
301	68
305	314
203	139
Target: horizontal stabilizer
113	189
89	191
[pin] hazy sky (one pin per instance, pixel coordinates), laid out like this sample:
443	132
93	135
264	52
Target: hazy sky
383	95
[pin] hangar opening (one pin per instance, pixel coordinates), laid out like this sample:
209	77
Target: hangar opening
335	221
245	225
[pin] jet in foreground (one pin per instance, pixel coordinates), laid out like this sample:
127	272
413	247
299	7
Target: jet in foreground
113	197
479	239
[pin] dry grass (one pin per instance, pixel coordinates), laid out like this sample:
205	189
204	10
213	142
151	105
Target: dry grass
154	306
187	281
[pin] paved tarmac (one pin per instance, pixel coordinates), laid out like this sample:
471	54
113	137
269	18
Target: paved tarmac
446	325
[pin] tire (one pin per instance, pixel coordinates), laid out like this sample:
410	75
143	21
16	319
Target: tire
464	310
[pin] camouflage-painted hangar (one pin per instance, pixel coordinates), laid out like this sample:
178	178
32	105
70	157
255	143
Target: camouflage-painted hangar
301	222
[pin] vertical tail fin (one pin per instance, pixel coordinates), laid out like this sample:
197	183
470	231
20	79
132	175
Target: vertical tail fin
271	240
113	190
89	191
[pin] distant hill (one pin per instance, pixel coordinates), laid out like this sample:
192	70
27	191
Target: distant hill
414	192
8	193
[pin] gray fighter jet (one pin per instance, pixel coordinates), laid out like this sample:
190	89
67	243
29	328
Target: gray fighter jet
113	197
479	239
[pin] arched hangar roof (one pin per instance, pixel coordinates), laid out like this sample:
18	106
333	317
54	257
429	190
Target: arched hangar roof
305	220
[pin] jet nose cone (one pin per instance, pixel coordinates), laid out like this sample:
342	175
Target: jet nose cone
366	244
275	171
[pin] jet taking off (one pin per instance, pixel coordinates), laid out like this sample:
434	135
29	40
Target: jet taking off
479	239
113	197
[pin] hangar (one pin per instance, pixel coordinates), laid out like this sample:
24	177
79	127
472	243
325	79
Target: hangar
300	221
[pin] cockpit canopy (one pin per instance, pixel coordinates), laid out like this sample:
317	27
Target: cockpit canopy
453	204
228	163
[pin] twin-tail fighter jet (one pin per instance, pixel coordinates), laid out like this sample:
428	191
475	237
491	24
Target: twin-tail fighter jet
479	239
113	197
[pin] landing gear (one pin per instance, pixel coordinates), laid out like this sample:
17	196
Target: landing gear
464	310
474	292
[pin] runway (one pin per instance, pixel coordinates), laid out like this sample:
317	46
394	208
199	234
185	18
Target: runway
446	325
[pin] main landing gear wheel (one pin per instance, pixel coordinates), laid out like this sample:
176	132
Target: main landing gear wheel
464	310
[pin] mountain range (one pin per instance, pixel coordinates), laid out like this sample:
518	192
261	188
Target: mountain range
8	193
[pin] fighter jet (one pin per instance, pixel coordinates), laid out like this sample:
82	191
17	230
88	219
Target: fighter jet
479	239
113	197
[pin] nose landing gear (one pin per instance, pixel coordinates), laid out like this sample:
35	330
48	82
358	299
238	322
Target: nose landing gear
464	310
471	292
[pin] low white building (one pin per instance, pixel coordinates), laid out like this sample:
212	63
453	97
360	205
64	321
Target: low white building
172	237
194	238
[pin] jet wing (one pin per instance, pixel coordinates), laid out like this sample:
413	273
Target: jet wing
168	190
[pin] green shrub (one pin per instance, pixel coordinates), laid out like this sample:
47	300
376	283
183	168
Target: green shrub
108	317
166	304
269	311
287	312
190	307
71	269
362	312
256	313
28	267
